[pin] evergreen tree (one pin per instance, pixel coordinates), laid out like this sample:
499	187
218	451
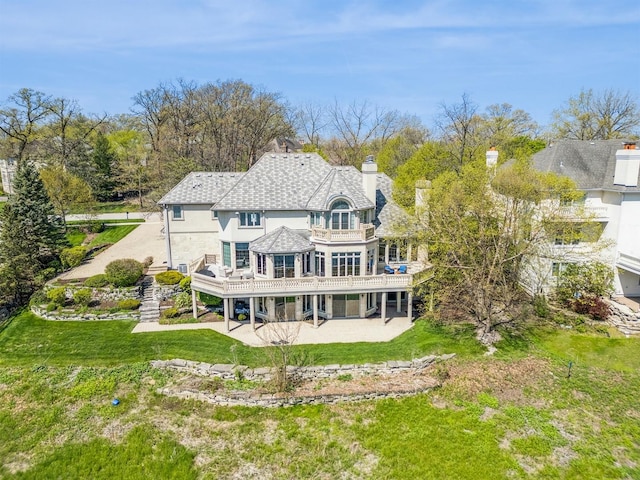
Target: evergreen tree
104	160
31	236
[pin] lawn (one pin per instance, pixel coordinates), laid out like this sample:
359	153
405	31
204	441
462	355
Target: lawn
112	207
112	234
29	340
517	415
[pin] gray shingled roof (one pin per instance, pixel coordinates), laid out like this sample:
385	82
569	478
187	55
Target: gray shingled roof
277	181
201	188
389	215
341	181
591	164
282	240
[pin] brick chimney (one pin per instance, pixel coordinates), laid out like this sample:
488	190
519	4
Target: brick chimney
627	166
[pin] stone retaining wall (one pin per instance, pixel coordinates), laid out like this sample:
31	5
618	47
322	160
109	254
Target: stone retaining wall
83	317
230	372
623	318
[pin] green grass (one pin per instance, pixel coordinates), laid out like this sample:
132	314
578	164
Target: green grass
592	350
29	340
57	380
75	237
112	234
117	220
112	207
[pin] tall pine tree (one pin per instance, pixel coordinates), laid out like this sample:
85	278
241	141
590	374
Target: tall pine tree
104	159
31	237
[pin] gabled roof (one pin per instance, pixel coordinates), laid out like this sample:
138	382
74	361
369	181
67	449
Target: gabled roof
340	182
282	240
591	164
277	181
201	188
389	215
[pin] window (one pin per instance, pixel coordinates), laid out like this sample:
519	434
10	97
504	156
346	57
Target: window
262	264
320	269
283	266
177	212
306	263
226	254
341	216
382	251
250	219
316	219
558	268
371	256
214	214
345	264
242	255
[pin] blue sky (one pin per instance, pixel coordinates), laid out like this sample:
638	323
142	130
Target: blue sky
408	55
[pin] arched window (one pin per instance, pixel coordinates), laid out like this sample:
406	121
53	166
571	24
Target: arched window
342	218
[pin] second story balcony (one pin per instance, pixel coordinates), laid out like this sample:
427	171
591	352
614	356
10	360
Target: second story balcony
364	233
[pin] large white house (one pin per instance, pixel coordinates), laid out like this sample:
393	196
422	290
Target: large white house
293	238
608	172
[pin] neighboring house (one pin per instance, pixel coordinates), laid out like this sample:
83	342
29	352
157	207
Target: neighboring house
7	171
292	238
608	172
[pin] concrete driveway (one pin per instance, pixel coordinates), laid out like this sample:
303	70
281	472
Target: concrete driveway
147	240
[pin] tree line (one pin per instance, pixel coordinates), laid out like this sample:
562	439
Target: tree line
182	126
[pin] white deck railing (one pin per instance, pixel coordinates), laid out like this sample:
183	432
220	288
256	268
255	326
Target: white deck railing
308	285
365	232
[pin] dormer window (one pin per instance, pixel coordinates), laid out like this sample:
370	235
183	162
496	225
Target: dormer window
342	218
250	219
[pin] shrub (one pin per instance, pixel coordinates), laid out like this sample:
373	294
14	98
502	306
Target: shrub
209	300
82	296
97	281
51	307
123	273
96	227
593	306
541	306
185	285
147	262
57	295
72	257
129	304
39	298
171	313
170	277
182	300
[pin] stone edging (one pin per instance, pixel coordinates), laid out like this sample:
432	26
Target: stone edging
247	398
83	317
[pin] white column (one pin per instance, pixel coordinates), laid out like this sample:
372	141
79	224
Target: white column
315	311
383	308
194	305
409	305
398	302
252	313
225	302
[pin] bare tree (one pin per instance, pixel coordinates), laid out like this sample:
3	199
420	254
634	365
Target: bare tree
278	338
310	121
458	125
355	126
597	116
21	118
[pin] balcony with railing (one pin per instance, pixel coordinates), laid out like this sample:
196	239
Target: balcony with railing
364	233
220	281
585	212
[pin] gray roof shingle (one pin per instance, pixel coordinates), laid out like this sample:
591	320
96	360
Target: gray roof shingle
390	219
201	188
591	164
282	240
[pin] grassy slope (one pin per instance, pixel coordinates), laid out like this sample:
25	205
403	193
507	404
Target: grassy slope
29	340
517	416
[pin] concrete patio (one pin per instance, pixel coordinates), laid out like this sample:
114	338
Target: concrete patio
330	331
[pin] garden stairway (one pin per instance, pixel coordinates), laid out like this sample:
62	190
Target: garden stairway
149	307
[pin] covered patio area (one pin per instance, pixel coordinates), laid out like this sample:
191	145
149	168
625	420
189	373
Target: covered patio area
370	329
